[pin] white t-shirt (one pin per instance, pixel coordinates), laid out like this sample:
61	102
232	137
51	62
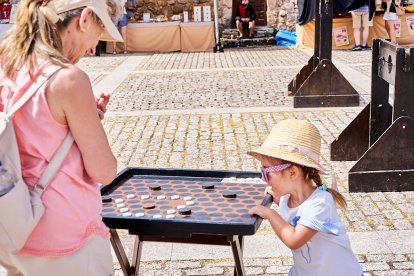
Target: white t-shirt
329	251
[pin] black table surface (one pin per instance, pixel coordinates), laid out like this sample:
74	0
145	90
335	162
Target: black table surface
210	214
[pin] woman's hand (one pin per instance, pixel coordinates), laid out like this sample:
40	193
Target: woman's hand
101	103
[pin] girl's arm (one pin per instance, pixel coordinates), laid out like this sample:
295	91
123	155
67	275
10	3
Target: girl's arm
71	101
292	237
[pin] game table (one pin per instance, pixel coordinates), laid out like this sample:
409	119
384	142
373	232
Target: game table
214	219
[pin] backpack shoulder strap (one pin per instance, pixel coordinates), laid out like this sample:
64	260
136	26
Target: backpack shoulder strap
37	83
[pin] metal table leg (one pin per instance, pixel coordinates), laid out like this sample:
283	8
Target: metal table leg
237	247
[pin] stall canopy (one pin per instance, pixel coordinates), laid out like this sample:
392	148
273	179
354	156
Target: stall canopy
307	8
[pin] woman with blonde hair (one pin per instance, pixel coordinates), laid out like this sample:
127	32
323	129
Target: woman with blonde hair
70	238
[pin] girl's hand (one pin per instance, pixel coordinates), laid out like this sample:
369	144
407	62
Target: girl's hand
101	103
276	198
261	211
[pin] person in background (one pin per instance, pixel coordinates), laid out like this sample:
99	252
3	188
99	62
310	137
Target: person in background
390	15
360	18
245	16
131	6
307	221
121	22
70	238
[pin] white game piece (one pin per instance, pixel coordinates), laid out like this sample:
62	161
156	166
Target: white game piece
138	215
119	200
180	207
174	197
161	197
187	198
144	196
171	211
127	214
170	216
189	203
100	185
123	210
130	195
120	205
157	216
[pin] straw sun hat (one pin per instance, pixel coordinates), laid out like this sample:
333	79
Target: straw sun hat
296	141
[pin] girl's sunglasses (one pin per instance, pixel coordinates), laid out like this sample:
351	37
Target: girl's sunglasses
278	168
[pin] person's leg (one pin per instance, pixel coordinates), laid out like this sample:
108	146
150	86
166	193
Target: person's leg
123	26
365	31
389	26
357	36
251	29
356	25
114	48
239	26
124	36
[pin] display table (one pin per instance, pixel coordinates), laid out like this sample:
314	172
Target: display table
306	33
197	36
151	37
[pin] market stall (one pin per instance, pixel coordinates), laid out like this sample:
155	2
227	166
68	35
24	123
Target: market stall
343	36
197	36
151	37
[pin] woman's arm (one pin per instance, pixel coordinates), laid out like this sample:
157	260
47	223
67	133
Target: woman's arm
72	102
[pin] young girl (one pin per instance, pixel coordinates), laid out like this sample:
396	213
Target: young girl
307	222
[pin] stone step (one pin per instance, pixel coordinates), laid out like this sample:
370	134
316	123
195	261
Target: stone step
258	32
248	42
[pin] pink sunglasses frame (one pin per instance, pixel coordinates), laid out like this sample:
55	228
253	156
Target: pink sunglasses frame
277	168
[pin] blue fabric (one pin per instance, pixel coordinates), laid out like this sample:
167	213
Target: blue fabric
285	38
123	21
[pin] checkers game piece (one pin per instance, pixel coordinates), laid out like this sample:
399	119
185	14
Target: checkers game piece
155	187
229	194
127	214
161	197
207	186
144	196
170	216
187	198
189	203
148	206
171	211
157	216
130	195
119	200
138	215
184	211
123	210
120	205
174	197
180	207
106	199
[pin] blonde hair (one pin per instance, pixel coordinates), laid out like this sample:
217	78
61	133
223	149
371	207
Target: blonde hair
33	36
313	175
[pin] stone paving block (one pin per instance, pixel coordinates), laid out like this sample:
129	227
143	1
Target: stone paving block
386	258
375	266
203	271
401	242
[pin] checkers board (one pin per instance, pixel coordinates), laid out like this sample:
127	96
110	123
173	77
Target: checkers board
211	213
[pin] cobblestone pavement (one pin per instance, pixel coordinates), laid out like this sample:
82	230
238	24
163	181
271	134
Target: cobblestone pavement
185	110
205	110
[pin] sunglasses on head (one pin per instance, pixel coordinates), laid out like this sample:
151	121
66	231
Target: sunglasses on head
278	168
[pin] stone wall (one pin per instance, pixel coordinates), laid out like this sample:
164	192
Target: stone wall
281	14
